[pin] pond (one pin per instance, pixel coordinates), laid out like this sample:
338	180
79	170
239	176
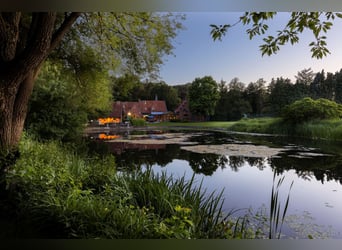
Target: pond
243	165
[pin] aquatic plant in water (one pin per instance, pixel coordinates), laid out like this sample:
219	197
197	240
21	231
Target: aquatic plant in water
277	213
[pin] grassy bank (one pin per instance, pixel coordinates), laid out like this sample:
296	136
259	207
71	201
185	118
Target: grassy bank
64	195
318	129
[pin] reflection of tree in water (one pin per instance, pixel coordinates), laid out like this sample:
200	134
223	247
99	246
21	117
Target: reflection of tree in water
132	159
236	162
322	168
206	163
260	163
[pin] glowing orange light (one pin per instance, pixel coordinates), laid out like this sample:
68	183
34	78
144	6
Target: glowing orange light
107	120
108	137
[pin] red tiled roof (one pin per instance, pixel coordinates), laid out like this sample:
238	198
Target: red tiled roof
147	106
138	109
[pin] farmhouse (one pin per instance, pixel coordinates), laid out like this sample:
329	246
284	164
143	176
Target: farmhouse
152	110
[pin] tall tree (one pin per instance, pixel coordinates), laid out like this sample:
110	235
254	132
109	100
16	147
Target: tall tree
256	95
317	85
162	91
232	104
125	87
132	42
338	93
328	89
220	109
26	41
237	105
281	93
203	95
305	77
139	40
182	90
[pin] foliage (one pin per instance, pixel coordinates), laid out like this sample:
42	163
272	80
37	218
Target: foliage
316	129
203	96
263	125
320	129
281	93
308	109
114	42
127	42
232	104
305	76
319	23
138	122
85	76
130	88
126	87
162	91
87	198
256	95
182	90
55	112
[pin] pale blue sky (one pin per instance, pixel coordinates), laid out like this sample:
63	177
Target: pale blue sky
197	55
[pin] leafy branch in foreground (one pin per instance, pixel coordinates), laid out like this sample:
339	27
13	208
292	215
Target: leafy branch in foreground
318	23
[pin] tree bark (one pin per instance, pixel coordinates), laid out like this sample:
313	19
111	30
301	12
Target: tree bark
19	67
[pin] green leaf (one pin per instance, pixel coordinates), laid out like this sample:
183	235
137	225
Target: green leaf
339	15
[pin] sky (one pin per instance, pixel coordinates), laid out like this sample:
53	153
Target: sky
197	55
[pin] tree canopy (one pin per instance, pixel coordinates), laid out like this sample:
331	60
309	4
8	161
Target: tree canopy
203	95
82	44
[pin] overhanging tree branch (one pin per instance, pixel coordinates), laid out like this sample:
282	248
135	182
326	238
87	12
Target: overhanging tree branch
63	29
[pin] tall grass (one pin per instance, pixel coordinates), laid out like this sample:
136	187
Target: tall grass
65	195
316	129
277	213
321	129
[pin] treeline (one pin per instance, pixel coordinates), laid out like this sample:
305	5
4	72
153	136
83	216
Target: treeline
131	88
61	105
261	99
234	100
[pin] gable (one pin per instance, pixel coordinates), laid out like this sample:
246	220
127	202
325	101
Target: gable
149	106
142	107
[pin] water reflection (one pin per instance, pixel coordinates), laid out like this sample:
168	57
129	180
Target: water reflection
246	179
206	164
323	168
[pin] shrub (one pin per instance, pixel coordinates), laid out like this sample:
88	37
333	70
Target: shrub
308	109
78	197
138	122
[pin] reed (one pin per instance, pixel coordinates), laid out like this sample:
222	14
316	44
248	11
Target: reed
277	213
65	195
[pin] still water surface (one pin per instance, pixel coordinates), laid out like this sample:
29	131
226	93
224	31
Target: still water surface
315	168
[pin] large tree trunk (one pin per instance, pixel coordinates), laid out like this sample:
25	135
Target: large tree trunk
22	53
13	111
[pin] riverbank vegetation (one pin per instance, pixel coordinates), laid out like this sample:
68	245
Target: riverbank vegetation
329	129
65	195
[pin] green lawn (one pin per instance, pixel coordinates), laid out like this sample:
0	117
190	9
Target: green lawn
209	124
319	129
258	125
